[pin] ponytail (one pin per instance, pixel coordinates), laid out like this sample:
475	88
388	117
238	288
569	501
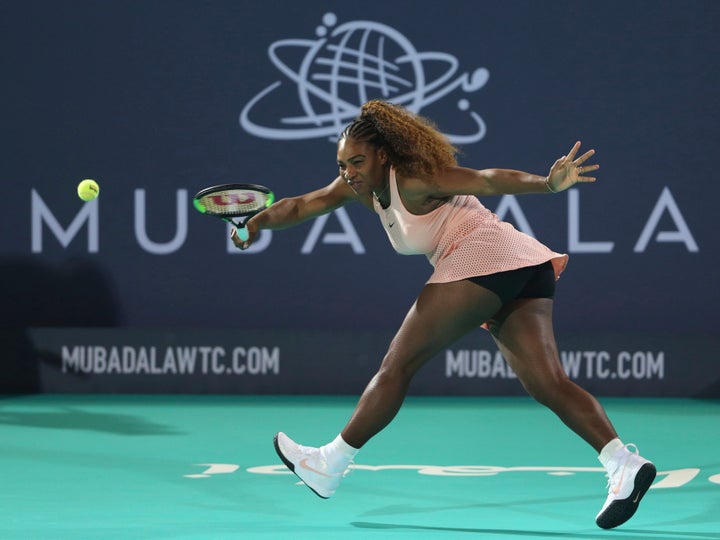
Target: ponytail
412	142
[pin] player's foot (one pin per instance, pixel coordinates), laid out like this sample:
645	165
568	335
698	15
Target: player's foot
309	465
629	478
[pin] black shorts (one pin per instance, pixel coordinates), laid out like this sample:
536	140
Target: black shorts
529	282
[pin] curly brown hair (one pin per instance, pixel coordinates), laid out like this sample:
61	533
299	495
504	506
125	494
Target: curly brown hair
413	143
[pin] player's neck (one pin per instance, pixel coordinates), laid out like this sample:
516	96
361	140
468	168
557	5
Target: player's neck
383	197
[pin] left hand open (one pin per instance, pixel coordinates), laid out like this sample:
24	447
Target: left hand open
567	170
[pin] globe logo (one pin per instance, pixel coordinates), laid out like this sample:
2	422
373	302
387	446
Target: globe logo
332	76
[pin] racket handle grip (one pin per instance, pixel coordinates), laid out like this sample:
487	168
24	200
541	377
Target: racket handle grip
243	233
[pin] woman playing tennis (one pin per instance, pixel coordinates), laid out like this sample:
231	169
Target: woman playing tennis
486	273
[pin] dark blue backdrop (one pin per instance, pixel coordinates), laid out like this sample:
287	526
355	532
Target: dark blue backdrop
147	98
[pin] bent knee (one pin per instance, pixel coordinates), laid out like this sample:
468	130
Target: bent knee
394	370
550	390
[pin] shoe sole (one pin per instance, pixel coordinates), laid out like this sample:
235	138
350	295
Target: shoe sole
621	510
290	466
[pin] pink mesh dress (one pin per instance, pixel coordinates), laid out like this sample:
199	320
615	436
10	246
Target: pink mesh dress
462	238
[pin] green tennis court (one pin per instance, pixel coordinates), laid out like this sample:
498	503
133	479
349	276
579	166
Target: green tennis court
203	467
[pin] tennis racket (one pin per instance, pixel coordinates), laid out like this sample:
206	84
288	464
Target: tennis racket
228	201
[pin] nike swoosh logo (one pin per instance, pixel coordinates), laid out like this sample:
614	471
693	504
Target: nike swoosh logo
637	498
391	224
304	465
616	489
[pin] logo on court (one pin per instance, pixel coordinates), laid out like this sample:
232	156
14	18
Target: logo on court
333	75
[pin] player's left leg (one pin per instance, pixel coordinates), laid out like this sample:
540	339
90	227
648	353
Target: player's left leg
524	333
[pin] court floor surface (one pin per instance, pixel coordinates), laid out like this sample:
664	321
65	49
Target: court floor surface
203	467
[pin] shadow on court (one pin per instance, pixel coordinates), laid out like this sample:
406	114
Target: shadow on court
77	419
625	534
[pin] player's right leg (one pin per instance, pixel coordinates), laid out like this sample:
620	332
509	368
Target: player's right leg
442	313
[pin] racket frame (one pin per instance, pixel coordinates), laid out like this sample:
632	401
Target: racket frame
243	216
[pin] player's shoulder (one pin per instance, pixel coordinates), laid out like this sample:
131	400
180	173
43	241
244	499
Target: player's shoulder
419	185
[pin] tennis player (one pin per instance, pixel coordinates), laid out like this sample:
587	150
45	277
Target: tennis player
486	273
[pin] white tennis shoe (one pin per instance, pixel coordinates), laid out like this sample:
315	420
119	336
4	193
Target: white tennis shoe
309	464
629	478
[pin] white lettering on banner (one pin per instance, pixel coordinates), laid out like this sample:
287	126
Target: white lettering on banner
635	365
638	365
673	478
575	245
181	204
188	360
256	360
477	364
682	234
350	236
42	214
89	214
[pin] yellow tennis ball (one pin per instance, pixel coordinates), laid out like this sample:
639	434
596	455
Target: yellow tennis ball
88	190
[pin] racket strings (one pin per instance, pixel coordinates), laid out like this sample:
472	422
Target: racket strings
233	203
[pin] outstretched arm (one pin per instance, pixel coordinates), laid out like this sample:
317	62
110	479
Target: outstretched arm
564	173
291	211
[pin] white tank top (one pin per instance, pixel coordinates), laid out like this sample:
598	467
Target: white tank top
411	234
461	238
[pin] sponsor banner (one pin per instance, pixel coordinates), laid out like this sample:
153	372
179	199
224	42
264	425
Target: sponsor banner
216	97
620	364
201	361
88	360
